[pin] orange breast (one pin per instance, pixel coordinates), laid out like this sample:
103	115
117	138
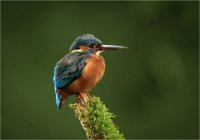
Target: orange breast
92	74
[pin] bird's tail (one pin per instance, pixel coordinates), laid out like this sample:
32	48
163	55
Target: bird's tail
61	96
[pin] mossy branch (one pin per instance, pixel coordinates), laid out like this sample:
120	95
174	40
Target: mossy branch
96	119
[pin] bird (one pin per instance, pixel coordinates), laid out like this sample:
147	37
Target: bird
81	69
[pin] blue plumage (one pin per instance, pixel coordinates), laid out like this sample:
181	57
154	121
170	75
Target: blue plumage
58	102
69	68
84	40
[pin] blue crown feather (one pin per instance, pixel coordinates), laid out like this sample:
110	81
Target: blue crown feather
85	39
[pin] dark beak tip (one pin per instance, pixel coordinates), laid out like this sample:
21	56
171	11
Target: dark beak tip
124	47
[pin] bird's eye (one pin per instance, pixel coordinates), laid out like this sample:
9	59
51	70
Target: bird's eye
92	45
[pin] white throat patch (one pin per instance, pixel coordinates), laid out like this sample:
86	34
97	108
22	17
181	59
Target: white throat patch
98	53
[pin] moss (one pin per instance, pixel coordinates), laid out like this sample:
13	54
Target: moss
96	119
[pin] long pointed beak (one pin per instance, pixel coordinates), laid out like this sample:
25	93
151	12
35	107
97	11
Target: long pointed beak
112	47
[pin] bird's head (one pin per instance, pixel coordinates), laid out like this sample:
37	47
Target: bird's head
88	41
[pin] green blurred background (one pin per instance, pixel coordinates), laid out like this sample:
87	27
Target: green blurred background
152	87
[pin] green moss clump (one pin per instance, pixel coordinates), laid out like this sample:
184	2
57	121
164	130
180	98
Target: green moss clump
96	119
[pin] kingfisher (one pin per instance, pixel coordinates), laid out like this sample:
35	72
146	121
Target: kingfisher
81	69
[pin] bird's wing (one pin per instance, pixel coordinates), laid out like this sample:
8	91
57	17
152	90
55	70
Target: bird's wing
68	69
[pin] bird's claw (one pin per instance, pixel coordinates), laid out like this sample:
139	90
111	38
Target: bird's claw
88	95
83	97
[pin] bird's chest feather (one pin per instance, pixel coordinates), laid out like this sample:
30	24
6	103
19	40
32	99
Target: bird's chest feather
92	74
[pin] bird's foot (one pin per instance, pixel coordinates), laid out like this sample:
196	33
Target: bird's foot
82	98
88	95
